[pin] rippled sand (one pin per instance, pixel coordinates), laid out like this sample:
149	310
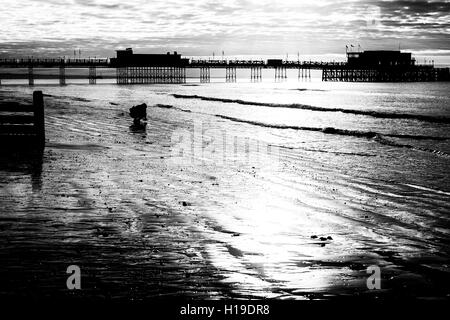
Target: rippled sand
112	200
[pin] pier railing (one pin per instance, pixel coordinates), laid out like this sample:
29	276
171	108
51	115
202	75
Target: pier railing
290	64
54	62
193	63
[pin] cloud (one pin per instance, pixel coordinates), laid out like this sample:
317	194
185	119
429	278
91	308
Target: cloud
236	26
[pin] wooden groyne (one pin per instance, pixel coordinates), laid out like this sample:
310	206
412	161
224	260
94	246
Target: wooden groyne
22	127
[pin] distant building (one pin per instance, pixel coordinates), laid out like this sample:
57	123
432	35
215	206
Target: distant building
126	58
274	62
380	59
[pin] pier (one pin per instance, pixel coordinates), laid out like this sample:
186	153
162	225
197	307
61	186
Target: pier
170	68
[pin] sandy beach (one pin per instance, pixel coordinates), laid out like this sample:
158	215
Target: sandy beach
293	223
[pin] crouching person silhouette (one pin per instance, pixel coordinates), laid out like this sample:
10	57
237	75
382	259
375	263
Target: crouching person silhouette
139	115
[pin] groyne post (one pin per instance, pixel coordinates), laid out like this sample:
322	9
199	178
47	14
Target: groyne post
39	120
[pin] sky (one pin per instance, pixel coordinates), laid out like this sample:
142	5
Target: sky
237	27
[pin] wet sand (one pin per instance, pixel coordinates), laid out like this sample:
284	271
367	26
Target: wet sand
98	202
111	200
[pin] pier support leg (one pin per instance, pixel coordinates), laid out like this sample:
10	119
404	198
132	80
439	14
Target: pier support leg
30	76
230	74
302	73
280	73
148	75
122	75
92	75
62	75
205	74
256	74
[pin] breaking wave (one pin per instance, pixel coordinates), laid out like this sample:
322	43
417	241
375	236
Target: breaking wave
371	113
306	89
331	130
168	106
381	138
67	97
376	136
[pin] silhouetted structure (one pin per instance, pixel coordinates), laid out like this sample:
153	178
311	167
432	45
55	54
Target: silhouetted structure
126	58
379	58
23	126
131	68
134	68
274	62
384	66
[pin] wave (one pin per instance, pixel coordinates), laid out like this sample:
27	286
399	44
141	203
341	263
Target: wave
427	189
164	106
88	146
362	154
371	113
168	106
331	130
67	97
306	89
328	130
391	143
381	138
